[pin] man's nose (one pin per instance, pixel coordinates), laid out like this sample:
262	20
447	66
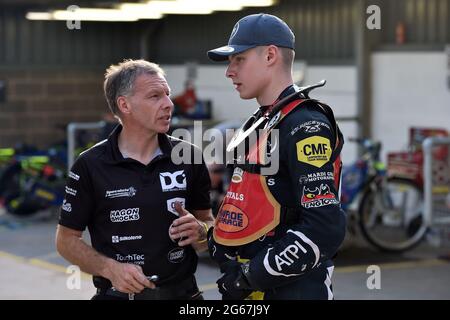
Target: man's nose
229	73
168	104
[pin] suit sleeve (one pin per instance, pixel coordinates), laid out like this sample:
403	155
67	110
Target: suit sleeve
308	151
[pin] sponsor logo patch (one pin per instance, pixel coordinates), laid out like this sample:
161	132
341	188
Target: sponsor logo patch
176	255
318	197
171	205
71	191
315	151
232	219
317	176
312	126
124	215
130	192
131	258
66	206
173	181
117	239
74	176
289	255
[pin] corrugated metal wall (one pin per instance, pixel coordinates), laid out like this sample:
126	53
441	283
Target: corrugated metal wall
323	28
426	21
51	43
325	32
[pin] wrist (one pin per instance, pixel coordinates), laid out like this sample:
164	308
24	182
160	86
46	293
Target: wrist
106	268
203	232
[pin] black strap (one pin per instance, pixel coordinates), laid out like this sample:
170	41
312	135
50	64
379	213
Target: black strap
185	289
324	109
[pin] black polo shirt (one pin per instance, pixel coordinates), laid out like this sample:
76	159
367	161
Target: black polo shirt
128	206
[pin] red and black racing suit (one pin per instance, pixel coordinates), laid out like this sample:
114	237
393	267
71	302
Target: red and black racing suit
294	260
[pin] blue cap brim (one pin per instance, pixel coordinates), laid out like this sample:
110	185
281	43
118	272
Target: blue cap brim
222	53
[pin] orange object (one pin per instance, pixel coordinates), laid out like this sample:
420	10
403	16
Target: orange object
187	100
400	33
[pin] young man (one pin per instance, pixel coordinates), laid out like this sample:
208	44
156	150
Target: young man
277	233
135	201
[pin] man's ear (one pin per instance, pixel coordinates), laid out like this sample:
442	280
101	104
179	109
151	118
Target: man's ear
272	55
123	105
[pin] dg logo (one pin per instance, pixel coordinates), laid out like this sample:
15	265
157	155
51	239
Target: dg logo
173	181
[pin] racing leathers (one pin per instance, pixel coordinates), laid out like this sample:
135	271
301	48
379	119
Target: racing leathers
285	227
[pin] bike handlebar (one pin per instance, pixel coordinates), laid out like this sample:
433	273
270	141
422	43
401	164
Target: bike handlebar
371	146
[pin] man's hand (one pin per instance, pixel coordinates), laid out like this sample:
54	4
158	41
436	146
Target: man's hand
219	253
186	229
127	277
233	285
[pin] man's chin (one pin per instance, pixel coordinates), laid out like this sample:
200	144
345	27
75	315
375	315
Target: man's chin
164	129
246	96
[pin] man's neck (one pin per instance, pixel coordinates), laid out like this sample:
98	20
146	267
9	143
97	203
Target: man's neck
138	144
273	91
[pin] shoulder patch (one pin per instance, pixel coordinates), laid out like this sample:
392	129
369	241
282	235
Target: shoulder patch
312	126
315	151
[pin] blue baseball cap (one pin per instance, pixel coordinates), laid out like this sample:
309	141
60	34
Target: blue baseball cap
255	30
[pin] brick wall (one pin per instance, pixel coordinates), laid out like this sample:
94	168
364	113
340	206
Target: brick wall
40	103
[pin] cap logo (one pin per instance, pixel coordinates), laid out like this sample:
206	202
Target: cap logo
225	49
234	31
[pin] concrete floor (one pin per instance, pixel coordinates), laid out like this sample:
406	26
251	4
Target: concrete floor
31	269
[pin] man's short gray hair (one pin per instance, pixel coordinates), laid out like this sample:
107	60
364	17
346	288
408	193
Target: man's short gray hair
120	78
